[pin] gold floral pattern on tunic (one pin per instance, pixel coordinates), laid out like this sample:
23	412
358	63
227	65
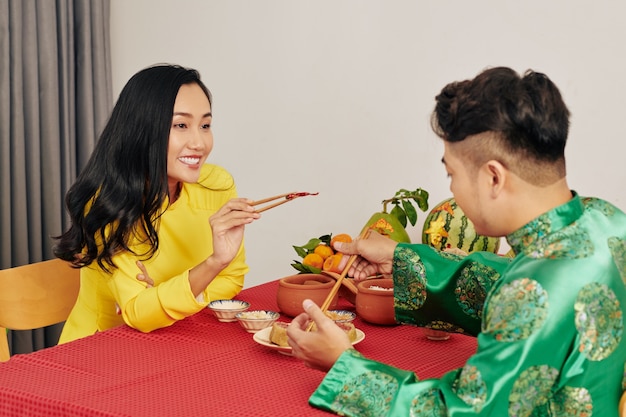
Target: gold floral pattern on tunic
530	233
450	255
569	242
531	390
410	279
599	321
445	326
572	402
593	203
618	250
367	394
540	238
428	404
470	387
516	310
472	286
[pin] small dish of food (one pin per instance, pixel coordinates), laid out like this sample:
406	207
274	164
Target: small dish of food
225	310
275	337
341	316
255	320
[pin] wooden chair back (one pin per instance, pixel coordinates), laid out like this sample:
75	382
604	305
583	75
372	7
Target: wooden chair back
35	295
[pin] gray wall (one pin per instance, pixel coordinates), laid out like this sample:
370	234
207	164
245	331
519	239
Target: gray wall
335	95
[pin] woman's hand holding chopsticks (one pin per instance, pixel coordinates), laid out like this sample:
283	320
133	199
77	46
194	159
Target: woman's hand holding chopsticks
229	221
227	229
227	225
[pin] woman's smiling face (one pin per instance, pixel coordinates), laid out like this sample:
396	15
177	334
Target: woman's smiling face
191	139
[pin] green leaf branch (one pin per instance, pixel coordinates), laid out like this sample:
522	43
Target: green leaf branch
403	205
307	248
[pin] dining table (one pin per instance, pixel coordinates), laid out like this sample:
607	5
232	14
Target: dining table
200	366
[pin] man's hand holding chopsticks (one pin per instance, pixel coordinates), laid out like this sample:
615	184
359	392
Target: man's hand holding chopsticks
375	255
321	348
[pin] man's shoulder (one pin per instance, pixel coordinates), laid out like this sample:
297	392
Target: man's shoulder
605	215
598	204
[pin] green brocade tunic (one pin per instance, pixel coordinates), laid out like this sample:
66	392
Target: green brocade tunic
549	324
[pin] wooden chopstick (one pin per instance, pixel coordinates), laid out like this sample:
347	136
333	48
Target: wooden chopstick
267	200
261	210
287	197
324	307
347	282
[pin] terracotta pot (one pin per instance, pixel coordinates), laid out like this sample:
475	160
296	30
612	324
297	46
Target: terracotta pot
374	305
347	290
347	294
294	289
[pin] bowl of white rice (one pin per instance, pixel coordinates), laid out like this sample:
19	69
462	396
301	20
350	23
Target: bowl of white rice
225	310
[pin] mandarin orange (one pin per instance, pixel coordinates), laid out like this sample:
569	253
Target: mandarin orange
314	260
341	237
324	251
331	264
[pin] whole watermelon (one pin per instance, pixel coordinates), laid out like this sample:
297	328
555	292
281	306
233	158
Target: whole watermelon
446	226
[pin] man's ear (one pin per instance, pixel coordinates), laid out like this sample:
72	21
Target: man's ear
496	175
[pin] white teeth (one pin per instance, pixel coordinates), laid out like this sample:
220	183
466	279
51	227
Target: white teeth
188	160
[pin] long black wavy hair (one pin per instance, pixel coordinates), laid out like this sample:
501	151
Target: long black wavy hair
120	193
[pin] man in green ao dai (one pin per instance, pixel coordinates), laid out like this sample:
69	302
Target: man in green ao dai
549	322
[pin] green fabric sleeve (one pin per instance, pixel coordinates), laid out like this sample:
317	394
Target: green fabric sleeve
442	290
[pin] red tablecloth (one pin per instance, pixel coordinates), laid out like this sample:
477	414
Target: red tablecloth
197	367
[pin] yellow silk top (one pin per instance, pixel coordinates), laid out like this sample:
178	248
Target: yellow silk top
185	240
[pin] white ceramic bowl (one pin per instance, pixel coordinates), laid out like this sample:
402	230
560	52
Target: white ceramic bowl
255	320
225	310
